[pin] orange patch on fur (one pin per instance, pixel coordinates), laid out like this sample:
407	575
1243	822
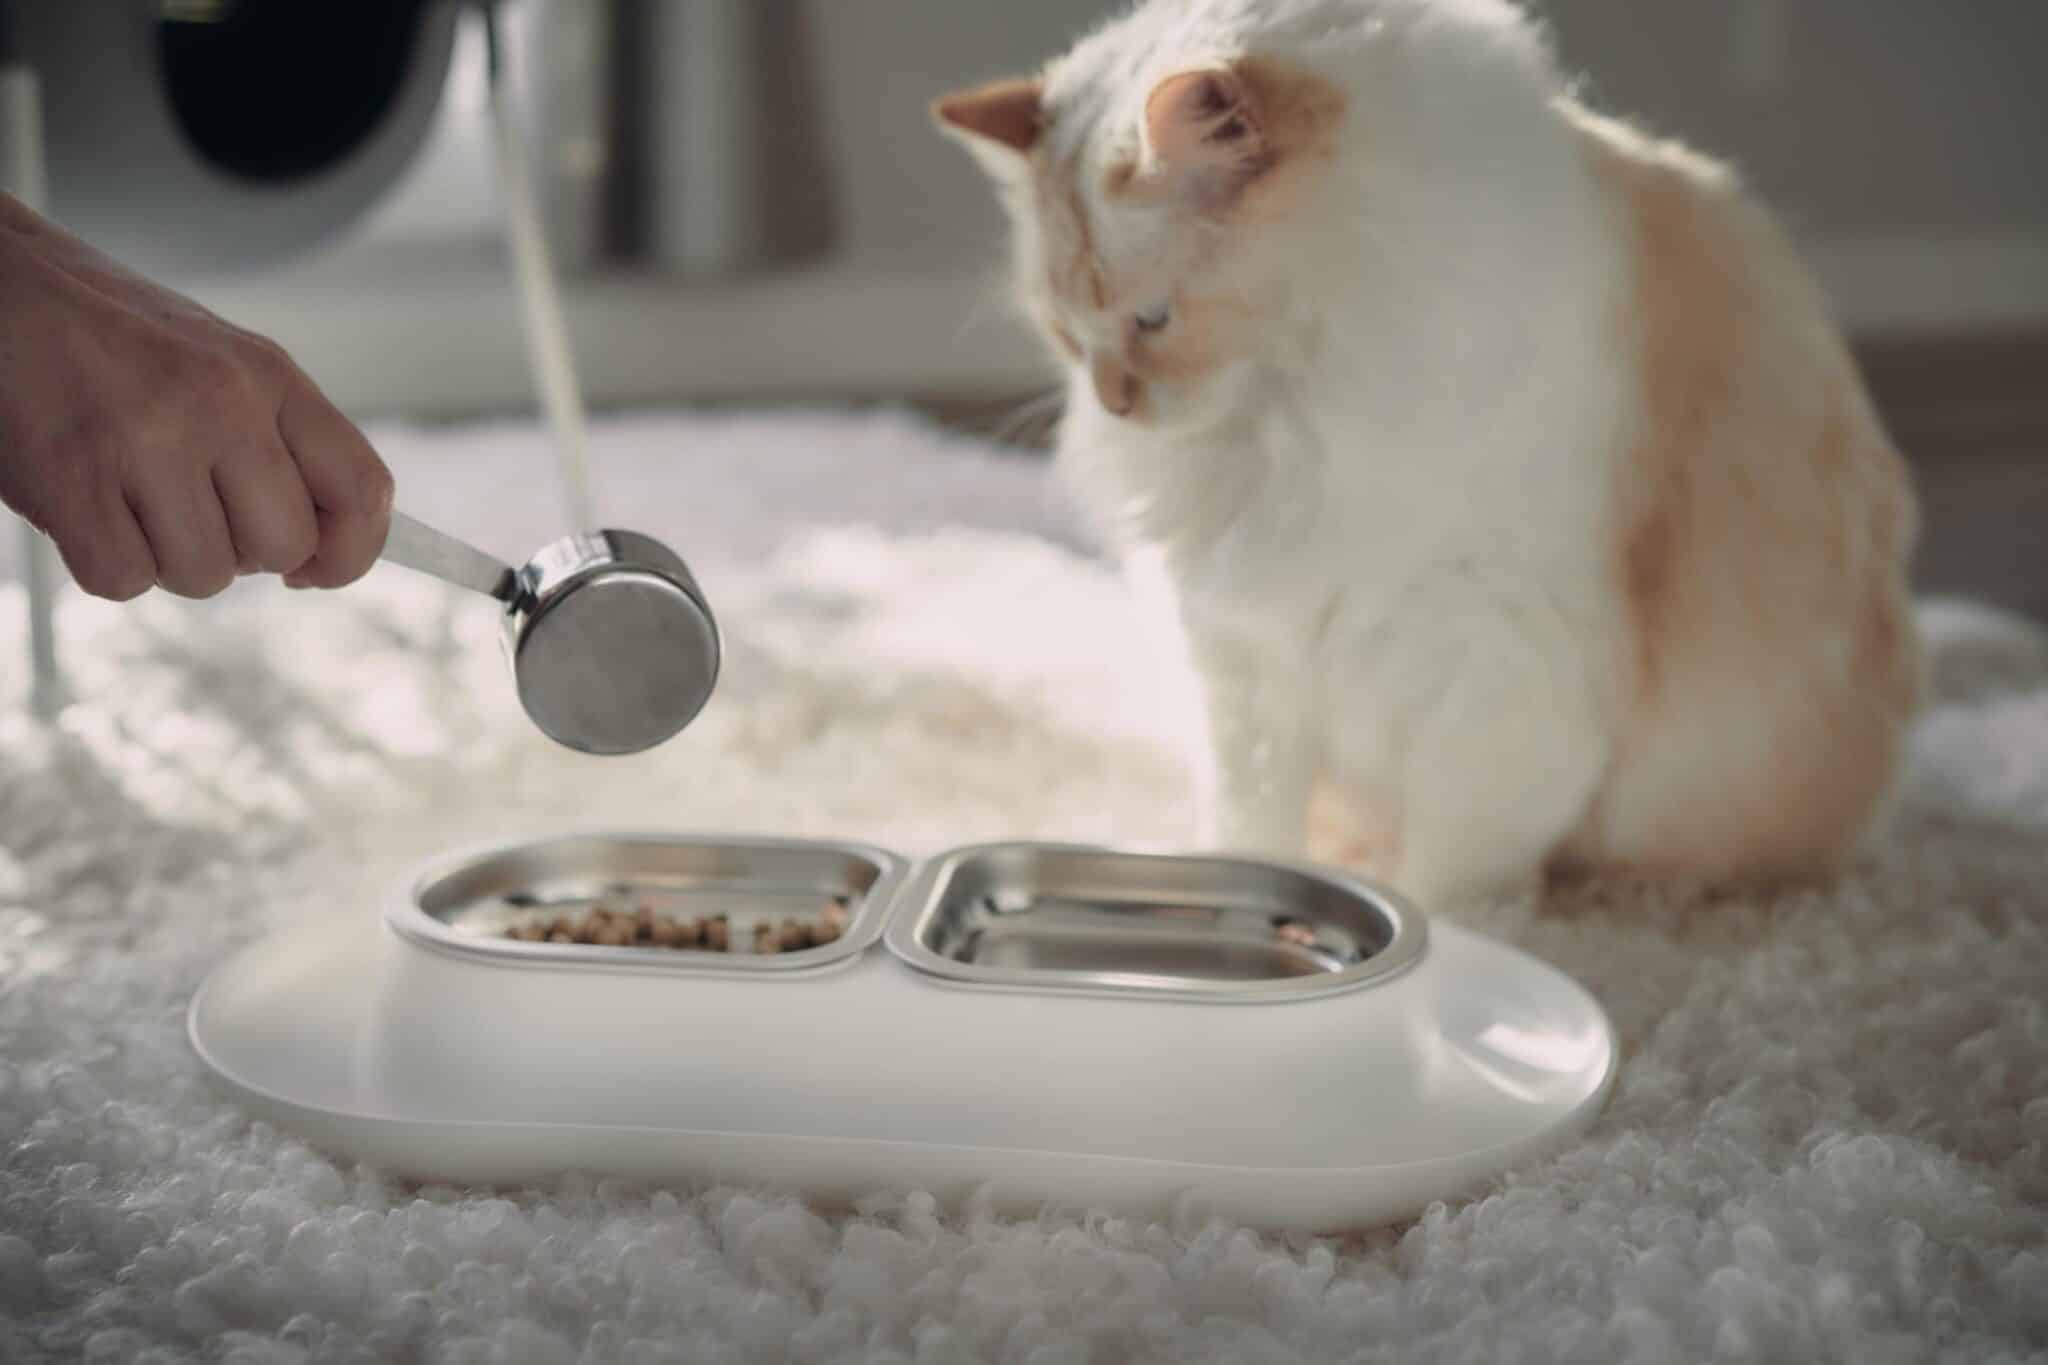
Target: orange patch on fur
1761	528
1687	323
1299	113
1115	387
1345	831
1649	568
1302	120
1076	273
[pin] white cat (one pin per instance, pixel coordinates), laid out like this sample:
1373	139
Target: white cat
1505	469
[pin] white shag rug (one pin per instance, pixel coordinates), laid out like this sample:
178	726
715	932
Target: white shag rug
1829	1140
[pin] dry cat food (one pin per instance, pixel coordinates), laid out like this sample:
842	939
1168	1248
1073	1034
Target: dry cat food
608	926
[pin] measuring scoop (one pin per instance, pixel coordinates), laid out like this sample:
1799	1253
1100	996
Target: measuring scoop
612	644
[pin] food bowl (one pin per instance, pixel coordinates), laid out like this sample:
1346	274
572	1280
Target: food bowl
1282	1045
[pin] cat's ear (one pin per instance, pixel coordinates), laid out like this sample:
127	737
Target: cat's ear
1203	121
999	122
1213	129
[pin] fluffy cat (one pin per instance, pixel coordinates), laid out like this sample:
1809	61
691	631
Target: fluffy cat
1500	464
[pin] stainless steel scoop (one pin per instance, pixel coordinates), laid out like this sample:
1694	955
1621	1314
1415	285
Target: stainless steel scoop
612	644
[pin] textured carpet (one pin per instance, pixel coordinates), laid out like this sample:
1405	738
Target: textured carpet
1829	1139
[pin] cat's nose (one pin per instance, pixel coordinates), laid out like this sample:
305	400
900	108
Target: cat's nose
1115	387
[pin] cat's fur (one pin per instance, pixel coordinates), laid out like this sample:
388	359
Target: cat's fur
1500	463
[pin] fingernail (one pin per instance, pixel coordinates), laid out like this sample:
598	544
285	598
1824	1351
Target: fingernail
292	580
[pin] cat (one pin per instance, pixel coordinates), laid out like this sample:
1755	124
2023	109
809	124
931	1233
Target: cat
1499	464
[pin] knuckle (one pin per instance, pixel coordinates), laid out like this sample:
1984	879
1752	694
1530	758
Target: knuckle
346	554
287	548
265	360
331	568
208	382
184	391
301	541
212	376
200	582
118	578
199	568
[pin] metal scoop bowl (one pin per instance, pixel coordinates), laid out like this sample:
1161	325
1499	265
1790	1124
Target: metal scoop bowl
613	647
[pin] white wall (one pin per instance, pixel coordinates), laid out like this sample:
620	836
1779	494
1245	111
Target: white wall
1904	140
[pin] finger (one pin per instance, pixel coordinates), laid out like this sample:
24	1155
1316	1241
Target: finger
105	552
181	516
351	488
269	512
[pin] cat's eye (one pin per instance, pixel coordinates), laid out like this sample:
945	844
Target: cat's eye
1152	319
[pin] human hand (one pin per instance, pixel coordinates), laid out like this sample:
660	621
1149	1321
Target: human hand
159	445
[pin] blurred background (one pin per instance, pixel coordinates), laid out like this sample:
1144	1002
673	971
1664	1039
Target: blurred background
749	205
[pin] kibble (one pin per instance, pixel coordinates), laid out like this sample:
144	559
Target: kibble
608	926
831	922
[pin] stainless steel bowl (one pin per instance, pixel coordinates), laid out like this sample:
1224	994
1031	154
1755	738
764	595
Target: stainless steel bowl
465	903
1050	917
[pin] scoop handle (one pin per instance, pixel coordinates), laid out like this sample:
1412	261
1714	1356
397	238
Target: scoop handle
419	546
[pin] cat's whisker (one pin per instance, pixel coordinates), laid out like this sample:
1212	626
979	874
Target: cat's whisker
1034	414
